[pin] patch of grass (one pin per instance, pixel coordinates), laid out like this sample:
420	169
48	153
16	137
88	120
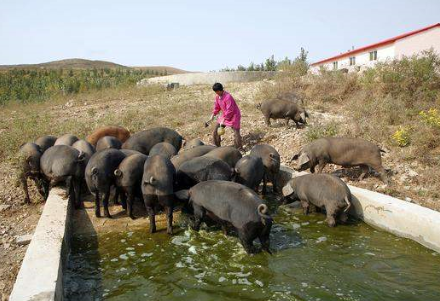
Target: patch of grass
320	131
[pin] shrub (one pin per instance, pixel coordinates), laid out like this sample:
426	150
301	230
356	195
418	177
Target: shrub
431	117
402	137
25	86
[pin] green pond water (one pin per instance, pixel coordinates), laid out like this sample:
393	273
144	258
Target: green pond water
310	262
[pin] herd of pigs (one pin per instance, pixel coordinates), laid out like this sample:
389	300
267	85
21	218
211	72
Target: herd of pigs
211	184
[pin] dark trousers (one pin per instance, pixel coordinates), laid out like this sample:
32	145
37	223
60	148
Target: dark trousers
237	137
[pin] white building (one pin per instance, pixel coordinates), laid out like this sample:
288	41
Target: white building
406	44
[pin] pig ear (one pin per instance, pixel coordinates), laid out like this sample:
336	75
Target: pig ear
182	195
295	157
271	155
303	159
94	171
81	156
287	190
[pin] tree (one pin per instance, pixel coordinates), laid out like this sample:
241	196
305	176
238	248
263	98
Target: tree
270	64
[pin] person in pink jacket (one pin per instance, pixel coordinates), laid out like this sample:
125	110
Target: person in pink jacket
230	117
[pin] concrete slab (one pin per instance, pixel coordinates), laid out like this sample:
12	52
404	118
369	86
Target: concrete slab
40	275
387	213
90	224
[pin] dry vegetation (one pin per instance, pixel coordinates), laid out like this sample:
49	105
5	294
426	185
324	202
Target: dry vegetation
383	106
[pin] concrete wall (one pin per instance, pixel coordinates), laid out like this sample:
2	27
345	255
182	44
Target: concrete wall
209	78
390	214
40	275
414	44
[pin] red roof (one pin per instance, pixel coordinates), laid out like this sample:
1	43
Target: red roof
376	45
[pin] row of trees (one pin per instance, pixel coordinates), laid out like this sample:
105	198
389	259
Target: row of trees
270	64
38	85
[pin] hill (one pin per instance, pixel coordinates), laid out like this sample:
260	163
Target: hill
87	64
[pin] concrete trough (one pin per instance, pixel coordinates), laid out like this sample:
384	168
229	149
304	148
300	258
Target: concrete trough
389	214
41	274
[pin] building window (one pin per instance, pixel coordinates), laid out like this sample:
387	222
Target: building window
373	55
335	65
352	61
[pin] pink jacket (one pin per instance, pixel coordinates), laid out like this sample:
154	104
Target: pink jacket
230	112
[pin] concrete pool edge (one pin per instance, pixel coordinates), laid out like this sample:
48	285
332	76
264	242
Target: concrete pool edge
41	272
390	214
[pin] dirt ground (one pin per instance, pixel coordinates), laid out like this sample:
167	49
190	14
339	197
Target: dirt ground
185	110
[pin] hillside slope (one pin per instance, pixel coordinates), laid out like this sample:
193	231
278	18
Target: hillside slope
77	63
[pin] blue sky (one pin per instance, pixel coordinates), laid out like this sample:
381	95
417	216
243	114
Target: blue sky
199	35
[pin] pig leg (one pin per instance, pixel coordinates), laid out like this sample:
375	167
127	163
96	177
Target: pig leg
382	173
365	170
225	229
97	205
46	187
130	201
331	214
305	206
39	185
343	217
27	199
105	203
246	242
312	208
150	202
169	212
216	137
152	218
123	197
321	166
287	121
265	243
199	214
274	183
267	119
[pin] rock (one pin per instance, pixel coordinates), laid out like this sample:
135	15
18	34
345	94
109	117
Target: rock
4	207
23	240
412	173
409	200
